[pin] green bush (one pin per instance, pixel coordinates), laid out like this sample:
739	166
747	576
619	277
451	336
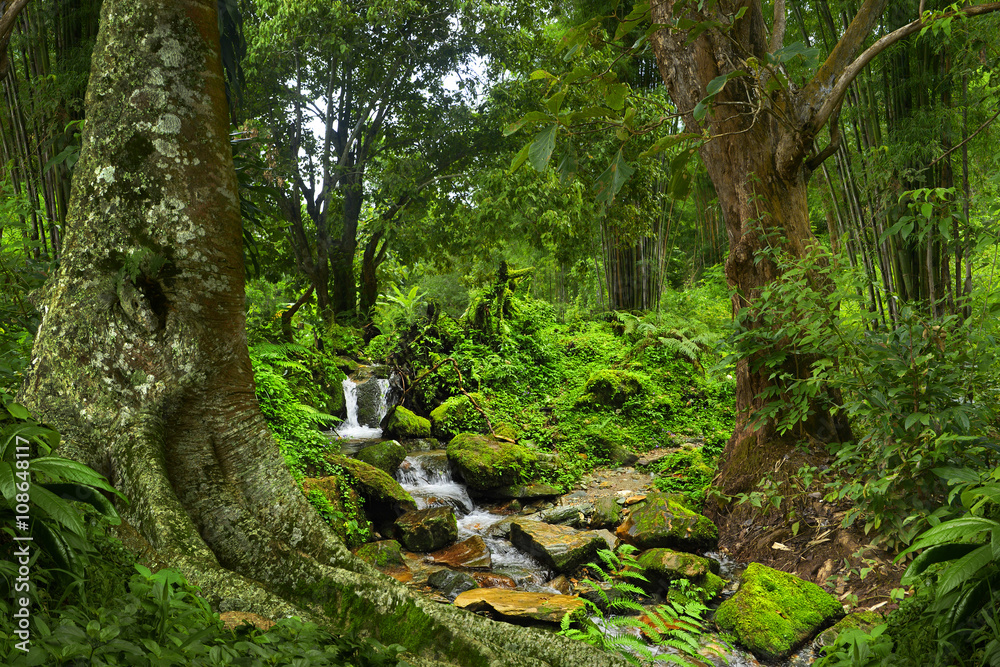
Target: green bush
686	472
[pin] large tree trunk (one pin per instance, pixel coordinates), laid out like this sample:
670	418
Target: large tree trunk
141	359
756	161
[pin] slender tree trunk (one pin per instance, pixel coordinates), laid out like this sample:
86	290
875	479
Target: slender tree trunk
149	379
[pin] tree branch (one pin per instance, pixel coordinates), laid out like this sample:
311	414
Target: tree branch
778	26
835	96
7	29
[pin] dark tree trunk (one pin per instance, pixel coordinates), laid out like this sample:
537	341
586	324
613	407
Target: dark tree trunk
141	359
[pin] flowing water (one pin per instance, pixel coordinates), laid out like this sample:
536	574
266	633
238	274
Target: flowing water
366	406
427	477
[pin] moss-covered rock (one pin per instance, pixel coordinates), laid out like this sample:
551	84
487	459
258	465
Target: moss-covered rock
528	491
611	388
669	564
560	547
346	365
385	554
458	415
661	521
337	502
607	513
487	463
375	485
773	612
385	456
427	530
403	424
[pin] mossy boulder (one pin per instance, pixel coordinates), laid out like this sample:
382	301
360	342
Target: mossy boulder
385	456
384	554
458	415
668	564
607	513
403	424
662	521
375	485
333	491
427	530
611	388
773	612
346	365
529	491
487	463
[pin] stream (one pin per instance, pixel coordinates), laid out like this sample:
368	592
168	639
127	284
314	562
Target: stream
427	476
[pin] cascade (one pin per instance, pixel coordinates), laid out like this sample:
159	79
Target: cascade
427	477
366	406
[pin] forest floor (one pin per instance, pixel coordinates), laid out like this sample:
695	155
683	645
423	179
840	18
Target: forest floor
823	552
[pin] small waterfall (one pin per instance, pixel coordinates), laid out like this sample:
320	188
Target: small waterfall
366	406
427	477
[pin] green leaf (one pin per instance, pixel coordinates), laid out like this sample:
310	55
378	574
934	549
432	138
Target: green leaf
542	147
18	411
700	110
540	74
519	159
613	178
927	209
554	102
530	117
668	141
615	96
963	569
56	508
578	73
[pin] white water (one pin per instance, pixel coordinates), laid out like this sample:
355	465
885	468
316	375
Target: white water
350	428
433	486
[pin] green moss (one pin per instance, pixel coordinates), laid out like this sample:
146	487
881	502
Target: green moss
485	462
385	456
612	388
458	415
774	612
662	521
385	553
371	482
404	424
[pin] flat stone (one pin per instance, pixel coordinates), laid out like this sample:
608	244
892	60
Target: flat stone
520	605
560	547
607	513
632	500
451	583
568	515
471	553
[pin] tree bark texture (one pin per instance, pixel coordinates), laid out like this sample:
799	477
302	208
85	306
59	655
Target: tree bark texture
757	160
141	358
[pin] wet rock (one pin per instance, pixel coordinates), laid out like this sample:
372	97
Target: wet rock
560	547
471	553
402	423
773	612
607	513
562	584
369	403
494	580
520	605
451	583
501	528
660	521
376	486
609	538
524	491
427	530
385	456
568	515
421	444
487	463
382	554
668	564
